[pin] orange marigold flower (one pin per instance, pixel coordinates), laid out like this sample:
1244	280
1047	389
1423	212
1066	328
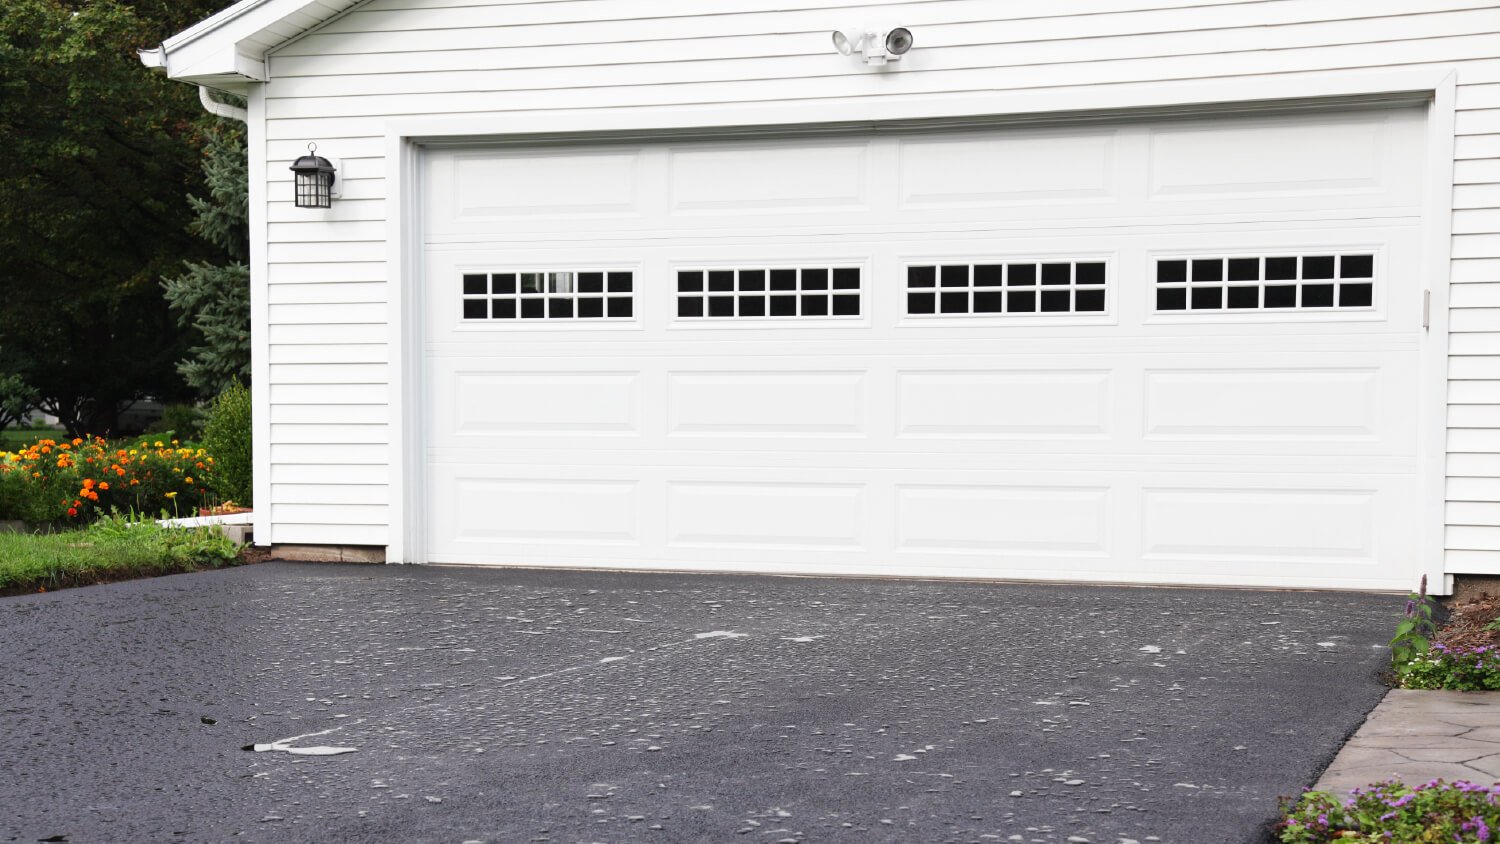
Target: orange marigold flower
77	503
134	482
104	485
120	472
91	495
72	511
88	483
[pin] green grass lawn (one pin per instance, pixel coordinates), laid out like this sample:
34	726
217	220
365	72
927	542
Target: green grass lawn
13	438
113	549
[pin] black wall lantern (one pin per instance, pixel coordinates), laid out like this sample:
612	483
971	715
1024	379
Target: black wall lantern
313	177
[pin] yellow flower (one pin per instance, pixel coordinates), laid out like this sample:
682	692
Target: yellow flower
158	444
188	479
171	495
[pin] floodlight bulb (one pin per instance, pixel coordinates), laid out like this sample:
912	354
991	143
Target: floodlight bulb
899	41
842	44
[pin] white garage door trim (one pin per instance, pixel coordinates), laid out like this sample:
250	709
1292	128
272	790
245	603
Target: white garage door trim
406	139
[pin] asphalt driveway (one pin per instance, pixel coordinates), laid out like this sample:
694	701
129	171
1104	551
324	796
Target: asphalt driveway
512	706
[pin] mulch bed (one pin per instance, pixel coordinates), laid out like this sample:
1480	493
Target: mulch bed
1466	623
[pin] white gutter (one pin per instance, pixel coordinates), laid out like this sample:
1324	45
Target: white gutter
217	108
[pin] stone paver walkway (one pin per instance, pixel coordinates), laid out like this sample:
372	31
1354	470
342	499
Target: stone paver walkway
1416	736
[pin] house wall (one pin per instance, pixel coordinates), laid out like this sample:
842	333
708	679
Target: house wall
326	302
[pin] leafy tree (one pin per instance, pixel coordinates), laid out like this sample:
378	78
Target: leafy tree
98	154
16	400
214	298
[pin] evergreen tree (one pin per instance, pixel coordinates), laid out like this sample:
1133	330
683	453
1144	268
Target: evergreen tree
214	298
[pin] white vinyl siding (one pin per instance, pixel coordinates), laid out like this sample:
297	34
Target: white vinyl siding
340	84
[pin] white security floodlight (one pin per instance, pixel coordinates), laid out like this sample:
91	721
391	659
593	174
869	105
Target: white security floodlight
877	45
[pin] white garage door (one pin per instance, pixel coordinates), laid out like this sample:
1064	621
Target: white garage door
1178	351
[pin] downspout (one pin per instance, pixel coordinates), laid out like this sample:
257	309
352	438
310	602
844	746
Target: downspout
221	109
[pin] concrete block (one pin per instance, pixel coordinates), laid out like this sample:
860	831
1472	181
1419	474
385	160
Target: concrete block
329	553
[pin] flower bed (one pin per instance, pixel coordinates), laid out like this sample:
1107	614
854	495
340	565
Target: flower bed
1392	812
1464	669
77	481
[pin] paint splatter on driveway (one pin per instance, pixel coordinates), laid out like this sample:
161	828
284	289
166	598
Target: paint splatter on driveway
504	706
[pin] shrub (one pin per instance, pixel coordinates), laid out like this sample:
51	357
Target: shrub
182	421
227	437
1434	811
1459	669
82	479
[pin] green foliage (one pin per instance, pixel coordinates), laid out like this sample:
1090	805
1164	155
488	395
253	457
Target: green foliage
99	152
112	549
1431	812
183	421
1415	630
1459	669
17	399
80	480
212	298
227	436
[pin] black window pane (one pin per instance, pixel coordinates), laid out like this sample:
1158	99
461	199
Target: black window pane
621	282
591	308
721	281
476	285
504	282
1281	269
1056	274
504	309
1056	301
689	282
533	308
690	306
956	275
1244	269
846	278
989	275
814	279
592	282
1171	271
1020	301
721	306
1317	295
560	308
1091	273
1089	301
1317	266
1171	299
921	303
955	303
1020	275
1357	266
533	283
1281	295
1208	298
621	307
815	305
992	302
921	276
476	308
1211	269
782	306
783	280
752	279
752	306
845	305
1356	295
1244	297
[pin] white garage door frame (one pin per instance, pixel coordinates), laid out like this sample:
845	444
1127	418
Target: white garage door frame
406	140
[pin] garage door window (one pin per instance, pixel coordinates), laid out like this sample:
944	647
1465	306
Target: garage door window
549	295
768	292
1050	287
1266	283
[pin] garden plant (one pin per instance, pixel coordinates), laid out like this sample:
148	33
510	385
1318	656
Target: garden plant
1434	811
113	548
80	480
